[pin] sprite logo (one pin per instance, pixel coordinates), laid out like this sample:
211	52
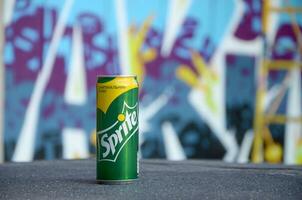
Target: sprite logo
116	136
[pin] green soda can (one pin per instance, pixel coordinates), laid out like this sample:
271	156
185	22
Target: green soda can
117	129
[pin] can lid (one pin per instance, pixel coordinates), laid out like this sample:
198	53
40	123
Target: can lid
117	75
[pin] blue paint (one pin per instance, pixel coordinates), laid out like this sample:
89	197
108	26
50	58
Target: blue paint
191	138
138	11
207	18
30	34
256	24
205	143
190	151
33	64
47	28
256	5
65	50
14	107
23	44
211	23
9	55
284	45
97	59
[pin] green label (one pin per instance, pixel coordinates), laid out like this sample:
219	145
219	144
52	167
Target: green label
116	136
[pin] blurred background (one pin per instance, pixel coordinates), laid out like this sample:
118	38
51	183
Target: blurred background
219	79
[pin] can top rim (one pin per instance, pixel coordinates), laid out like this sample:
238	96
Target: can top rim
117	75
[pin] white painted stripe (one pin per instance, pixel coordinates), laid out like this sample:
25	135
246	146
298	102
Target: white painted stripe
293	130
150	111
173	148
76	87
122	36
75	143
176	15
245	148
24	150
216	121
9	6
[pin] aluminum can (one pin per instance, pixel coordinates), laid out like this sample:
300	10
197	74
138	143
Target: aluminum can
117	129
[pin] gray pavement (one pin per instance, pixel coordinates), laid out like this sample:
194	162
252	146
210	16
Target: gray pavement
159	179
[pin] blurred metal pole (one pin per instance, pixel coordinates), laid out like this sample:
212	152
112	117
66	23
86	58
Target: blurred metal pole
2	82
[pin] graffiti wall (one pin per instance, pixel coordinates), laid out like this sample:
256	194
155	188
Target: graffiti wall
197	63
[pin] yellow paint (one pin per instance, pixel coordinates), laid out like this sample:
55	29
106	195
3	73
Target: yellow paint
76	155
273	153
267	136
288	9
257	152
185	74
93	138
204	80
203	70
282	119
208	77
265	15
282	64
180	4
149	55
107	92
137	57
297	32
299	152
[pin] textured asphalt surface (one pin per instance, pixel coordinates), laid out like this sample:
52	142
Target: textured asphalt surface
159	179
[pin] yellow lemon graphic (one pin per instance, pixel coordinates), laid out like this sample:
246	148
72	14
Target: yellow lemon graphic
121	117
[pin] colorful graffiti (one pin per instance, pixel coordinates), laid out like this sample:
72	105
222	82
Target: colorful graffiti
197	64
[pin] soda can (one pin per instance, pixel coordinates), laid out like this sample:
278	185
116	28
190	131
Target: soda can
117	129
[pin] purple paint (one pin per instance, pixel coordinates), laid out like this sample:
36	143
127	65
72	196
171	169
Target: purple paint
19	65
231	60
285	31
245	72
245	30
48	111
